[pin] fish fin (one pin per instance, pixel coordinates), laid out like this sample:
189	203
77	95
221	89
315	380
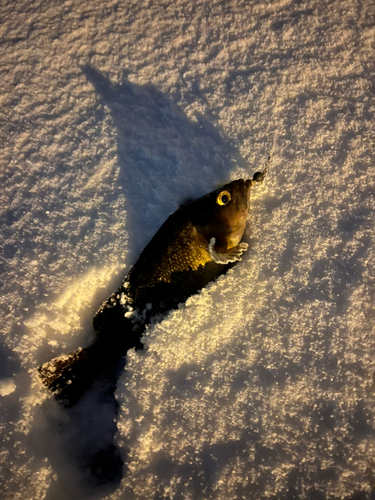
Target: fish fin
70	376
231	255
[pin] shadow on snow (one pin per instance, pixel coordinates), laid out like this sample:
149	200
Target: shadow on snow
164	159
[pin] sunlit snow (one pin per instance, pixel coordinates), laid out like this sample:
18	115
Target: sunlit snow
112	115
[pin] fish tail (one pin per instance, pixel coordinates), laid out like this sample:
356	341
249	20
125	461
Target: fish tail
70	376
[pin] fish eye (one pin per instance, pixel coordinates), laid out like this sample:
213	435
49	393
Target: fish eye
223	198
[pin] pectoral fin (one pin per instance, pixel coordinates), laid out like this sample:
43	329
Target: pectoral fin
231	255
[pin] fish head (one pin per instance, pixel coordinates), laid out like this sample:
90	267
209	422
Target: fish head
226	213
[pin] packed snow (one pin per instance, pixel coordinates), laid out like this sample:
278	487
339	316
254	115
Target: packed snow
112	115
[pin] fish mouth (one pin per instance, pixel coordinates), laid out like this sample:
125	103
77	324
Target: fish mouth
243	196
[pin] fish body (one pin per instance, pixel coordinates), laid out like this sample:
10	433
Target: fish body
195	245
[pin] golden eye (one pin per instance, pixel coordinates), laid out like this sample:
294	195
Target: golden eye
223	198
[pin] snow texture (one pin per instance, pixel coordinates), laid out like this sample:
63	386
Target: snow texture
114	113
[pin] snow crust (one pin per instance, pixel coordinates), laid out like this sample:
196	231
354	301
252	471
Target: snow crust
112	115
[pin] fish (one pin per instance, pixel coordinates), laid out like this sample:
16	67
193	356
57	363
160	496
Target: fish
195	245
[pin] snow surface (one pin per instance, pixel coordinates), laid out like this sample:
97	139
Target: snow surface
113	114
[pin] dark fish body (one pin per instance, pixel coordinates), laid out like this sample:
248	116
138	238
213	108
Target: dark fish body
195	245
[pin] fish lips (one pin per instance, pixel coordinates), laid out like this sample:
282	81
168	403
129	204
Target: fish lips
241	194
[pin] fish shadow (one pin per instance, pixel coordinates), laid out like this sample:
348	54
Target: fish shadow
159	148
164	157
80	445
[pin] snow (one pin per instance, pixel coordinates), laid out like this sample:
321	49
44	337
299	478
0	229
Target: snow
113	114
7	386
